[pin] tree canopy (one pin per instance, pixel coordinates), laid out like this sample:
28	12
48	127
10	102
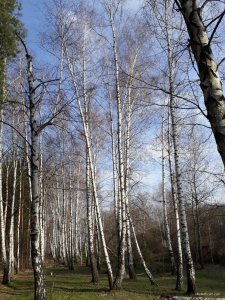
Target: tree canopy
9	26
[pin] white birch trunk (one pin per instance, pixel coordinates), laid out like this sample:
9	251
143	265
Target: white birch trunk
26	146
147	271
89	167
62	203
39	277
12	223
113	150
76	241
198	226
132	274
93	262
122	244
9	271
2	219
165	212
41	211
59	221
183	220
179	281
210	81
107	259
89	157
17	265
6	193
71	223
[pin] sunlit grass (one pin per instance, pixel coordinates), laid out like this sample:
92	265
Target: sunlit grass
63	284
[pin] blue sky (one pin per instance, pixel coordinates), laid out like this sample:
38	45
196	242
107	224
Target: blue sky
32	18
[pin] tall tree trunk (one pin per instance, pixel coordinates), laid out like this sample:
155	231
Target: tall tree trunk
2	215
89	157
129	105
100	224
183	220
147	271
71	223
122	243
165	212
131	270
2	219
194	227
17	265
89	166
28	163
179	263
10	269
63	220
6	192
93	262
98	242
115	188
77	202
39	277
41	211
198	228
210	81
57	222
84	116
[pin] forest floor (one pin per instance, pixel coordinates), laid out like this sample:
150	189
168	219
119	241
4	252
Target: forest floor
63	284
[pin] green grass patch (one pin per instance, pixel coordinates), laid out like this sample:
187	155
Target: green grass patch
62	284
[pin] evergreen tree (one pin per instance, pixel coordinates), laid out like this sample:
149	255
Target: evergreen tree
10	28
10	25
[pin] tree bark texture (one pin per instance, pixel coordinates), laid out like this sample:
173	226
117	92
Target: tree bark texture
147	271
39	276
84	116
2	219
183	219
91	250
180	196
165	211
179	261
122	242
210	81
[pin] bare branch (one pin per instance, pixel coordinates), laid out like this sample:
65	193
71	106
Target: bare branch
215	28
14	128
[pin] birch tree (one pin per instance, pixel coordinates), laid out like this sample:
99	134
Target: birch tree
36	127
179	263
172	62
165	210
210	82
183	219
39	277
11	212
2	220
111	11
82	94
